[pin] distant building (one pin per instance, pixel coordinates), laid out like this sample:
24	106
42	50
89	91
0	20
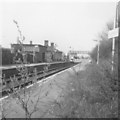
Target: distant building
38	53
52	54
58	56
34	52
6	56
50	50
72	55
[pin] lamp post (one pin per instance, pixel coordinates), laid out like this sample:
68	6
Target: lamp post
98	49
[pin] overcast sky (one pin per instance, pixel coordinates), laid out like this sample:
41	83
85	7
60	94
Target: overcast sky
65	23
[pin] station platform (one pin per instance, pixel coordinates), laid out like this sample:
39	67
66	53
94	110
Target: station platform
48	89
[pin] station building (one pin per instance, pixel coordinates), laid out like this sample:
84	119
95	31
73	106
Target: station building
36	53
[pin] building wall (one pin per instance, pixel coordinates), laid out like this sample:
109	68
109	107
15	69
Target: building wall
50	48
48	56
7	56
58	56
15	48
40	56
31	49
40	53
33	53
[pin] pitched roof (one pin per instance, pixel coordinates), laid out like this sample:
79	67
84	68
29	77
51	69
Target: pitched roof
30	45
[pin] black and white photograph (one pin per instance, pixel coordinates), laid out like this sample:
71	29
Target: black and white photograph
59	59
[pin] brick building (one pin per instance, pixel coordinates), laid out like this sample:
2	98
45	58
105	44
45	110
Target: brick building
34	52
58	55
50	50
52	54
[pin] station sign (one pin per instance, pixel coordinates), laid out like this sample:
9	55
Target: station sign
113	33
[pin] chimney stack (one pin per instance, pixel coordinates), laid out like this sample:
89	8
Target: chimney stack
52	45
46	43
30	42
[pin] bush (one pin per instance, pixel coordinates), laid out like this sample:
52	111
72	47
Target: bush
90	95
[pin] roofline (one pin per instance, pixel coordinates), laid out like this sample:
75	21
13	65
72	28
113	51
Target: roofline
30	45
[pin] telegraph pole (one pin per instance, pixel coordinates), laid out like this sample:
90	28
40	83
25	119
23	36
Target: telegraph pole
119	32
119	52
98	52
114	33
113	42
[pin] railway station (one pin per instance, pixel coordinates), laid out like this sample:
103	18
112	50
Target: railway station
60	60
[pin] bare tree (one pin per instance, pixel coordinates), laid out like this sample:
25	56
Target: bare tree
24	98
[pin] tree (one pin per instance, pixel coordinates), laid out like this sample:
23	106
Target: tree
105	50
105	55
20	95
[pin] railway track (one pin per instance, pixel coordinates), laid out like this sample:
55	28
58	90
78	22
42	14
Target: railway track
8	87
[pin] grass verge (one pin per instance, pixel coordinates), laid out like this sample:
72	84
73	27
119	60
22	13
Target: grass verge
90	94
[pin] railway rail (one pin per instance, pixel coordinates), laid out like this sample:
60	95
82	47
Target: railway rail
13	81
